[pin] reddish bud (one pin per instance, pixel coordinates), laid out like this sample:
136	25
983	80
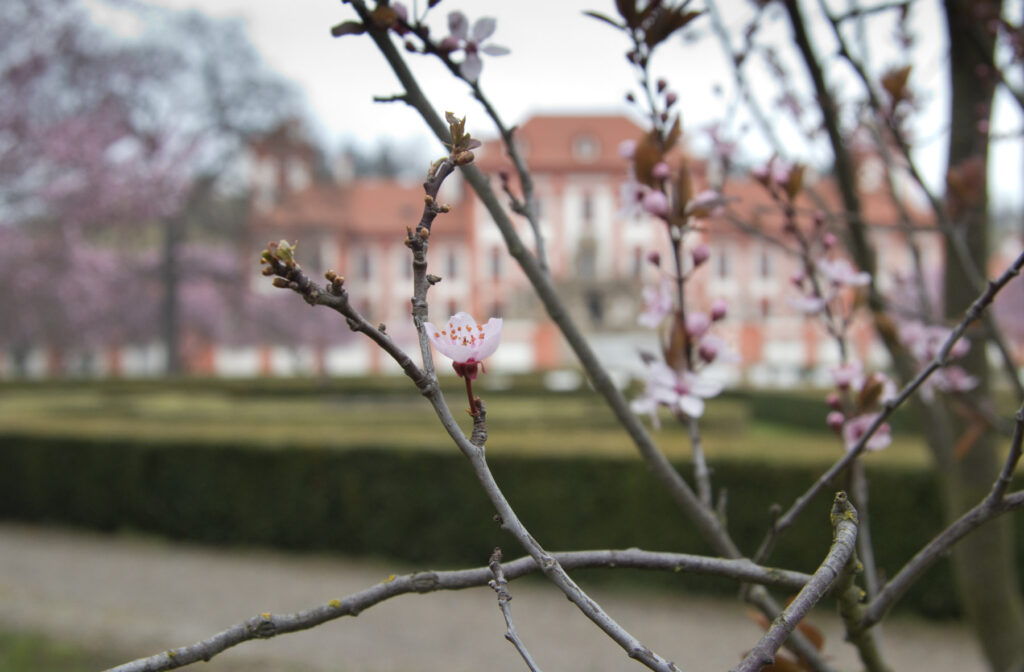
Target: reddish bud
708	350
719	309
654	257
700	254
697	324
655	203
835	421
662	85
828	241
671	98
833	401
448	45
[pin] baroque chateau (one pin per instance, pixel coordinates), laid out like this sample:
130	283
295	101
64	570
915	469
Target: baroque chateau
598	257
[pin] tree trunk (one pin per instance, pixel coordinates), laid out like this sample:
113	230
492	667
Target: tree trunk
171	313
983	563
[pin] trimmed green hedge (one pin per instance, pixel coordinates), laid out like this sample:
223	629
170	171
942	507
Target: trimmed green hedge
425	507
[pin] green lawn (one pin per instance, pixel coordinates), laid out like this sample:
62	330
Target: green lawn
34	652
393	415
30	652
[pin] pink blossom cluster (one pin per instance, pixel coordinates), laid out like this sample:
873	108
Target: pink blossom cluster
675	382
824	274
639	199
855	405
924	343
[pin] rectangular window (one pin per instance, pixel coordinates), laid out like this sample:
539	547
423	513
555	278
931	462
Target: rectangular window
452	265
723	265
765	264
587	207
496	254
365	265
637	269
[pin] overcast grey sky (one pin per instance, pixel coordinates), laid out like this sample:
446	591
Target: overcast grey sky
560	61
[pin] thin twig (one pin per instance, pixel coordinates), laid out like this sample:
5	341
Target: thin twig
500	586
995	504
844	523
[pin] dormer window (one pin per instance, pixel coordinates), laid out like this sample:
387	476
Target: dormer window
585	148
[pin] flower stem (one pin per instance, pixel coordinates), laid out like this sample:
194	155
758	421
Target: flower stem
469	395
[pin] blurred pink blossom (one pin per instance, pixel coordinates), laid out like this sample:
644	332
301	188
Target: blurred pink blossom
683	393
658	304
856	429
471	42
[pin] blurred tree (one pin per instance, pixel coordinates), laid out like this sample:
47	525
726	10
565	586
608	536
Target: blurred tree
110	138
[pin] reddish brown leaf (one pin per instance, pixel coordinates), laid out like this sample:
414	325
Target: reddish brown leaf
813	634
895	83
675	349
348	28
647	154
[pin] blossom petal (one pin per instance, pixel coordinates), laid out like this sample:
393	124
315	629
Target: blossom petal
458	25
471	67
463	340
483	28
691	405
495	50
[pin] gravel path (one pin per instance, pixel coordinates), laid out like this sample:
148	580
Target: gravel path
142	596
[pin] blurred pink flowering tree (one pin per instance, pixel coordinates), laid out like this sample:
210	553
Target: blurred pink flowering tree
108	142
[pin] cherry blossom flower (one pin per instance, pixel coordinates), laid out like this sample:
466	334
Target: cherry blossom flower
631	194
848	374
842	272
808	305
856	428
680	392
467	343
657	304
470	41
924	343
708	203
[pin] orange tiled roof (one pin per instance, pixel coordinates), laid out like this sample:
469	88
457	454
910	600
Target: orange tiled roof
754	206
558	143
364	207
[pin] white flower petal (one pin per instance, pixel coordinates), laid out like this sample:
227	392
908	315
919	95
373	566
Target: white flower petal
471	67
458	25
484	28
692	406
495	50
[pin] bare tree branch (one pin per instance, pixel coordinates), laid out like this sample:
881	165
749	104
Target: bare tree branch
994	505
844	523
270	625
500	586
